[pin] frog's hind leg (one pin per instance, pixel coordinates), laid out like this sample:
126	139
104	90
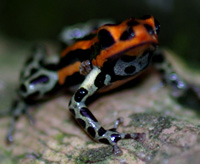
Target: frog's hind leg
38	77
35	61
37	81
17	109
19	106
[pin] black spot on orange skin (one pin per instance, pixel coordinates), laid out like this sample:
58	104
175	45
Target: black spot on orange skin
105	38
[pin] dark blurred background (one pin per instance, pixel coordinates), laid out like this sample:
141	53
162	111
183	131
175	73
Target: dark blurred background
44	19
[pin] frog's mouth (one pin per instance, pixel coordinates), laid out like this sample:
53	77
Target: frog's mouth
138	50
117	50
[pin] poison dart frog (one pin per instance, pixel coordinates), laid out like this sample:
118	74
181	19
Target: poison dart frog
104	59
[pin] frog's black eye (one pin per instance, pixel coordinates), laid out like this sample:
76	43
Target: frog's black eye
149	29
105	38
128	34
157	26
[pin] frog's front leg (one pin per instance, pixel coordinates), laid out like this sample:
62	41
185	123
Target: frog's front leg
86	119
179	86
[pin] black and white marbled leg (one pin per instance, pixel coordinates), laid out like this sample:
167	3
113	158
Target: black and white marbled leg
87	120
36	81
179	86
16	110
169	76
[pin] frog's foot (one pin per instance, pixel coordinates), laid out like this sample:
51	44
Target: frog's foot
190	97
17	109
9	137
114	137
196	90
140	137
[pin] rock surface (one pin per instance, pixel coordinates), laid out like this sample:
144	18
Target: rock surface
172	130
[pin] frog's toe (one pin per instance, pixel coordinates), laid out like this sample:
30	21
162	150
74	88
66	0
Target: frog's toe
9	138
30	117
117	151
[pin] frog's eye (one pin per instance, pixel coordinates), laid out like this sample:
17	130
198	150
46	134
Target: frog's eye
149	29
105	38
128	34
157	26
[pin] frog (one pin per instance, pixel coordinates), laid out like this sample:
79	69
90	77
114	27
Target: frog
102	60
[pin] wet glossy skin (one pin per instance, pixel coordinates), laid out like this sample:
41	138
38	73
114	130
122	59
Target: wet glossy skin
113	55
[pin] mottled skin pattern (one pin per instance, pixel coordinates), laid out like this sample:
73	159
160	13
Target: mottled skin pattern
113	55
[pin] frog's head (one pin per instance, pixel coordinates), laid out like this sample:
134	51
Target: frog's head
131	37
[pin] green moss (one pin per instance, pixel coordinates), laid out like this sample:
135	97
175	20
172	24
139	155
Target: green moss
59	137
155	123
98	155
7	157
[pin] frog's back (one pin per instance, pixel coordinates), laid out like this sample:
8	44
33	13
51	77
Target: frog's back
109	47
